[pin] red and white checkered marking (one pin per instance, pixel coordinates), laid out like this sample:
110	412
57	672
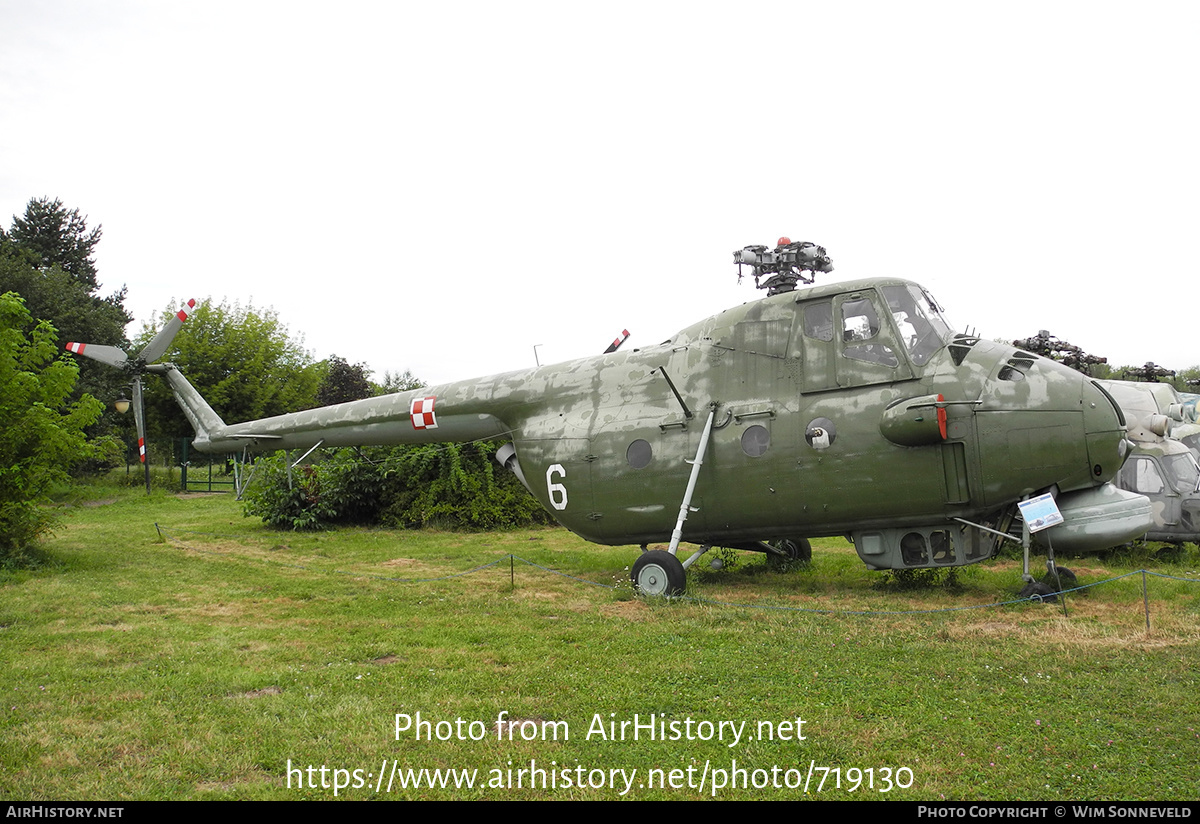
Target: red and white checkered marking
77	348
142	449
183	313
422	413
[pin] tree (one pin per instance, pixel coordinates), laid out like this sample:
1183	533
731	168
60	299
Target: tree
47	260
344	382
55	296
43	432
402	382
57	237
242	360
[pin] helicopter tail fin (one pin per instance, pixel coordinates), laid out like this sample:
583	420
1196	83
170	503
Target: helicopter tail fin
200	415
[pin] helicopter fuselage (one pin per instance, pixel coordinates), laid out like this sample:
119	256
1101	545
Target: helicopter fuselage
849	408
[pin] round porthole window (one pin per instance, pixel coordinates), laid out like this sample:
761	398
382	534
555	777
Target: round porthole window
755	440
820	433
639	454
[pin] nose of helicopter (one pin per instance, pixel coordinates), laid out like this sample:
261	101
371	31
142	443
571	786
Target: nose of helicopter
1104	428
1101	516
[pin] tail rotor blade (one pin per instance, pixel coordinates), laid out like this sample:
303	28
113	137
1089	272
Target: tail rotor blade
110	355
139	416
155	348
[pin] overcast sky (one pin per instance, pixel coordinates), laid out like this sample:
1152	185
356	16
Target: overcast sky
441	186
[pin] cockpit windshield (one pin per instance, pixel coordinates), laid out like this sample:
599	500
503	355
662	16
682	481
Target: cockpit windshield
919	320
1183	473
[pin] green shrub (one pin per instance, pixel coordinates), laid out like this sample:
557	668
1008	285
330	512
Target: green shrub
42	437
445	485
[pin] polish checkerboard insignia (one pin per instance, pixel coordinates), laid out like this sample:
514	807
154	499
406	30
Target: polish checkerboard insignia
422	413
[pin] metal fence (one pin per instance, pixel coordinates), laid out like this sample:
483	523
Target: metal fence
174	464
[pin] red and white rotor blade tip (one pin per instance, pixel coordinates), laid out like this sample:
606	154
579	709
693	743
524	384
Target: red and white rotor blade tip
155	348
96	351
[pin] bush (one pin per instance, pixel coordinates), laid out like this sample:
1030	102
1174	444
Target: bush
445	485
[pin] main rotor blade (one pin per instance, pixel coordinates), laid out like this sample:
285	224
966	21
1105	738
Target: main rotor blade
97	351
155	348
139	416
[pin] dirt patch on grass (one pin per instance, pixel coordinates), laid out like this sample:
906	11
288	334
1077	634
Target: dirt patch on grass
216	787
992	628
632	610
271	690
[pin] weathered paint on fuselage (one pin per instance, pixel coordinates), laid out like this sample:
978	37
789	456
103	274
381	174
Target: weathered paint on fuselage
604	442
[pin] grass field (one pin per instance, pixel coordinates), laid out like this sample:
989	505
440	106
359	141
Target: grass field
202	665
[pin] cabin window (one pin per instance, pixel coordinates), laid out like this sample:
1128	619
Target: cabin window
639	454
756	440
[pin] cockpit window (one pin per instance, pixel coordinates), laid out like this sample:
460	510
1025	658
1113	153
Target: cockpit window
860	328
818	320
1182	472
1141	475
921	325
859	321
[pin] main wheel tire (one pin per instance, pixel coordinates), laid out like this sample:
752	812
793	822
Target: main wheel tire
1037	591
658	572
1066	580
795	549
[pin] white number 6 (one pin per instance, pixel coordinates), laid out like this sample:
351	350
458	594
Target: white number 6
558	492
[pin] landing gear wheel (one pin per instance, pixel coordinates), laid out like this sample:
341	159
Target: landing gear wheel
1066	580
658	572
1037	591
795	549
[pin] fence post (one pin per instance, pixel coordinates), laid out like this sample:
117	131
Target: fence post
1145	600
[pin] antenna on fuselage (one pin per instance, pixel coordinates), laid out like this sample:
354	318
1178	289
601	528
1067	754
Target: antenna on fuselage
784	266
617	341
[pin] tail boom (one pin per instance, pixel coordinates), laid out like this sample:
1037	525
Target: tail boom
414	417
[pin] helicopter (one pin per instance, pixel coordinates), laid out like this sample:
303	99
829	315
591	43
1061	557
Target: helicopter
844	409
1161	466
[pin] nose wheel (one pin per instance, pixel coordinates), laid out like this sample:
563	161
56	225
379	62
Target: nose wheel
658	572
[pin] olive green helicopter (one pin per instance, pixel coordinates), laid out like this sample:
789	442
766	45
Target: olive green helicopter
845	409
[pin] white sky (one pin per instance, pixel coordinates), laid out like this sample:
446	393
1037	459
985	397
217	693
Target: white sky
440	186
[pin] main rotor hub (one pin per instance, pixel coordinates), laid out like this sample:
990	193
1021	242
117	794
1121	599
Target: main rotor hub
780	269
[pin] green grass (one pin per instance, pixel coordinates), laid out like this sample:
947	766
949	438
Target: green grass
196	667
